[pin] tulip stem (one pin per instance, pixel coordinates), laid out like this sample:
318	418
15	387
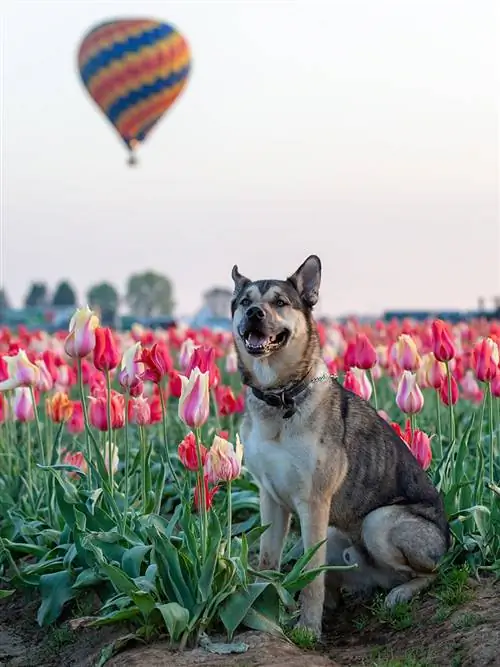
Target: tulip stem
492	434
229	518
86	420
372	380
29	455
42	453
127	464
143	469
164	417
450	404
216	409
202	499
110	434
440	432
479	477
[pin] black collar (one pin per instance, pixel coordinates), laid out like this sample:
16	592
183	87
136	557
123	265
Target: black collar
282	398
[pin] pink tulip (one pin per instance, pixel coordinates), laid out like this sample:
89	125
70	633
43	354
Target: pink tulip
24	410
409	398
194	402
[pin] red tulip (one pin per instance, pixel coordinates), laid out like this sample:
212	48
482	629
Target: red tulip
188	453
204	359
364	354
157	363
443	346
106	354
444	393
485	359
75	424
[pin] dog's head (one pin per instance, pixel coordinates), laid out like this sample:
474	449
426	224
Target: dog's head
272	319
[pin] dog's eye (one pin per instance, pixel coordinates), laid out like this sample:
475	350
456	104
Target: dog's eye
245	302
280	303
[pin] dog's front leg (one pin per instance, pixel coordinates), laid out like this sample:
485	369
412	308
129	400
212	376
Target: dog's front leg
314	528
272	540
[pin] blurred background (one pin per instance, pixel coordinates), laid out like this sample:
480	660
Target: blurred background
365	131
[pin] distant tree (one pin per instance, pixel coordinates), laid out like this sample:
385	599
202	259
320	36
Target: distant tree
64	295
4	304
150	294
37	296
105	297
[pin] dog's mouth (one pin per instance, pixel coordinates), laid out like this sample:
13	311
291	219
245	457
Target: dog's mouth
258	343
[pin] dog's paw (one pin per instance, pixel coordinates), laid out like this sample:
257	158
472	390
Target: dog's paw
398	595
309	625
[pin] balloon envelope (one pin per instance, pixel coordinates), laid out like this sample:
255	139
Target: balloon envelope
134	70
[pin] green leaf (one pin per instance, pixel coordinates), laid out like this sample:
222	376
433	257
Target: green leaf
144	601
56	590
256	620
238	604
87	578
170	572
6	594
176	618
133	558
24	548
116	617
296	571
122	582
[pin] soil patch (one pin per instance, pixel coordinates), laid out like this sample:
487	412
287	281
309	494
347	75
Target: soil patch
430	634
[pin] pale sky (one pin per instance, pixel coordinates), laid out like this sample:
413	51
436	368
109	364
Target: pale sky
365	131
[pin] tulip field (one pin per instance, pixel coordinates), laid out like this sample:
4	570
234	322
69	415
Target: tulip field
128	519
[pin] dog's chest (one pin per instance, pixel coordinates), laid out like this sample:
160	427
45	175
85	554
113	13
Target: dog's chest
281	459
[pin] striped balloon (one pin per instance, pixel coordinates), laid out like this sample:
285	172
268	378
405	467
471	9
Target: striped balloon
134	70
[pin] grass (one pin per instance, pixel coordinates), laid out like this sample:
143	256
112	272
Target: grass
302	637
409	659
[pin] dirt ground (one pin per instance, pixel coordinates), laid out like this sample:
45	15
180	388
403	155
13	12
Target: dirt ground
432	633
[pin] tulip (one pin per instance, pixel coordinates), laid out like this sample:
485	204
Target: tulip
232	361
59	408
420	447
351	382
20	371
470	388
486	359
185	353
188	453
106	354
75	424
435	371
194	403
226	400
365	387
98	412
131	370
75	459
45	381
175	384
442	342
350	355
3	409
365	356
209	494
24	410
445	394
409	398
203	358
157	363
224	461
139	411
495	386
382	355
111	453
404	352
81	339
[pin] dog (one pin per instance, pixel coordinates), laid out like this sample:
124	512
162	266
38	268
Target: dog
318	450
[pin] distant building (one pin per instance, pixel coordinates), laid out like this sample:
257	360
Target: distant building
215	310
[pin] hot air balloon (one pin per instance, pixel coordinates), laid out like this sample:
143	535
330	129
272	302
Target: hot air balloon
134	70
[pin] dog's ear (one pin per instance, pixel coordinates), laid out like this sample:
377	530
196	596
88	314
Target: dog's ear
307	280
239	280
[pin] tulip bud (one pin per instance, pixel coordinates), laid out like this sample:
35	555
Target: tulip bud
59	408
194	403
409	398
106	354
24	410
485	360
364	354
443	345
81	338
404	352
139	411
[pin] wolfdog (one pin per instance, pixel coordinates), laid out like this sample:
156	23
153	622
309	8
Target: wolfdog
321	452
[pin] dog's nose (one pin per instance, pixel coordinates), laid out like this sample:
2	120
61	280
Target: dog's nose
255	313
